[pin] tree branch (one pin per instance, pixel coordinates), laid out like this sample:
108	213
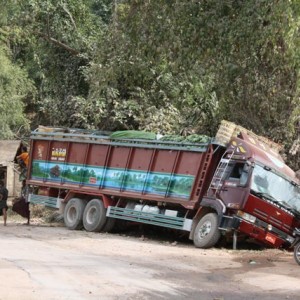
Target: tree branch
69	14
58	43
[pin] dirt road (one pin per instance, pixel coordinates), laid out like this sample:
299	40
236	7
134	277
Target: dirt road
43	262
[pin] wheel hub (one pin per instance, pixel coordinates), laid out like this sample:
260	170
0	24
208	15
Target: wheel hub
91	215
205	229
71	214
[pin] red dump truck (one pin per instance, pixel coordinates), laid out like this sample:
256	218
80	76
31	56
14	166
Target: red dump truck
235	184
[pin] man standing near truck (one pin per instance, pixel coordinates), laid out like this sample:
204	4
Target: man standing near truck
3	201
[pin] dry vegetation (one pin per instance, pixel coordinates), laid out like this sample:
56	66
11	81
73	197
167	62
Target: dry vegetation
38	215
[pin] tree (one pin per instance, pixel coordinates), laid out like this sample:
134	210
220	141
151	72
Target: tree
163	66
54	40
140	65
167	65
15	88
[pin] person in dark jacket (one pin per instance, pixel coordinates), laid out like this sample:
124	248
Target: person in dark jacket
21	205
3	201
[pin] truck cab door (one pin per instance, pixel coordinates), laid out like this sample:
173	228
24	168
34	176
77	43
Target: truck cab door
235	187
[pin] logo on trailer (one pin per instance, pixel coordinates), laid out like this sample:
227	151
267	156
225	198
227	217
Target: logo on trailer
58	154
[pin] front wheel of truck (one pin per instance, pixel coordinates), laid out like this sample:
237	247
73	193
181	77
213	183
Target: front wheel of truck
207	233
73	213
297	253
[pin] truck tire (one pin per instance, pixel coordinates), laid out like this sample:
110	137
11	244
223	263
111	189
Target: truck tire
207	233
297	253
94	216
109	225
73	213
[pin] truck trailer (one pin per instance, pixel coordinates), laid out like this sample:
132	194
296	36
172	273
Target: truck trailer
236	183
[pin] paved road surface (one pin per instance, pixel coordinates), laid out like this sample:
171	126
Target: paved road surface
41	262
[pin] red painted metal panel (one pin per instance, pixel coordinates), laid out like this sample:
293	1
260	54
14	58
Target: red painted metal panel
97	155
171	175
118	157
271	213
141	159
164	161
39	150
76	153
189	162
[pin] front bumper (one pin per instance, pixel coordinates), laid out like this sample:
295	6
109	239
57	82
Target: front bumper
263	232
257	229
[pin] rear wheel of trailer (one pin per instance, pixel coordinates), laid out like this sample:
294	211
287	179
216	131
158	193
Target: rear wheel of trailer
73	213
94	216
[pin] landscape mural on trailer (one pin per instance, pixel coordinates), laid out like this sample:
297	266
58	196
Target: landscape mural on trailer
175	185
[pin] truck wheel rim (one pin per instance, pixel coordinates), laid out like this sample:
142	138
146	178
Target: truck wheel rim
91	215
205	229
72	212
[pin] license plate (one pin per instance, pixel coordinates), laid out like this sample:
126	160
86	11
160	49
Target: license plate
271	238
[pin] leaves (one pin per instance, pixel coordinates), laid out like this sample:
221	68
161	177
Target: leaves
14	88
162	66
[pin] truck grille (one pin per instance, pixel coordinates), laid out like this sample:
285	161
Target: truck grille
271	219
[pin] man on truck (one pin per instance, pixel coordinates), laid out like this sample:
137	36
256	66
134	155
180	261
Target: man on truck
23	160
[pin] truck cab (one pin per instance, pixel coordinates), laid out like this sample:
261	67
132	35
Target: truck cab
259	192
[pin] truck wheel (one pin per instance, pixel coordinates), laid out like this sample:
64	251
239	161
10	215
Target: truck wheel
73	213
109	225
206	233
297	253
94	216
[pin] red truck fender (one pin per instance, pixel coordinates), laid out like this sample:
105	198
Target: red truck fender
208	205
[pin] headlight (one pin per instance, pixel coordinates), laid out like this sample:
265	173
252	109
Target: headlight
246	216
234	205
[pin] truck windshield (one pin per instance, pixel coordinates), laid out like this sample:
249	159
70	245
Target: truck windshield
275	188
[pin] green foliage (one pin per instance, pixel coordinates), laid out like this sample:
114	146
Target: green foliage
178	64
55	40
133	134
257	71
15	87
162	66
142	62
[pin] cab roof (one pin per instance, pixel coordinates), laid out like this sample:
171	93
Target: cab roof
247	147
